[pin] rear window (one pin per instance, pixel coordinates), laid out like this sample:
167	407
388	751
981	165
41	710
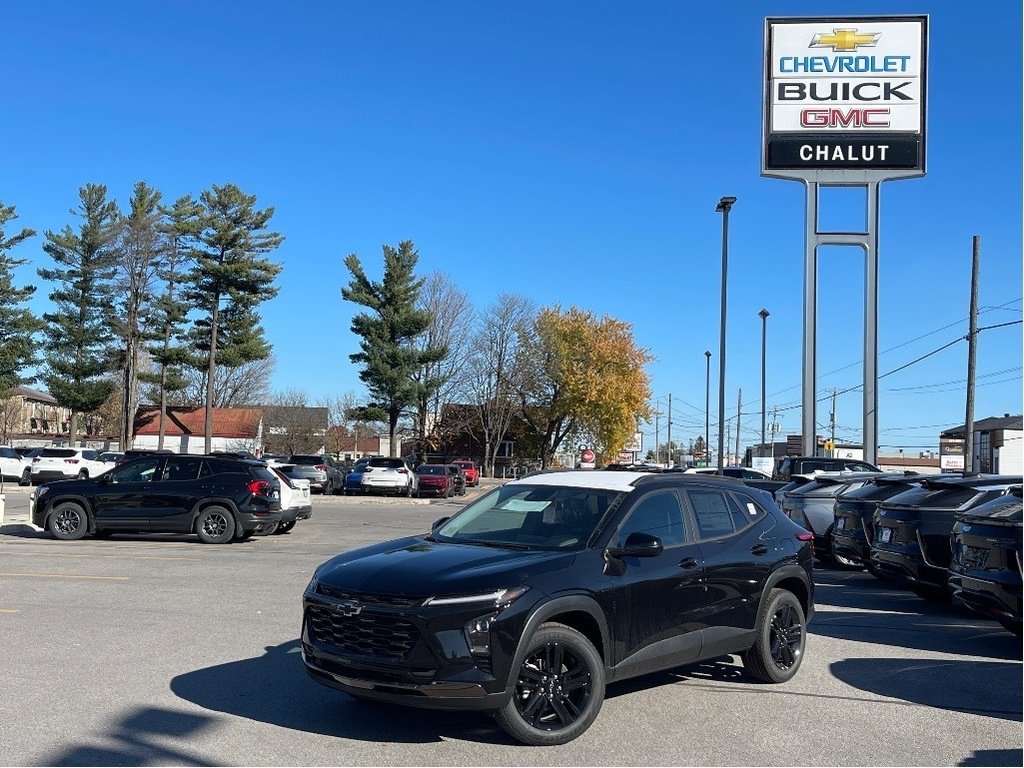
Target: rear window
262	473
431	469
929	497
58	453
306	460
389	463
875	491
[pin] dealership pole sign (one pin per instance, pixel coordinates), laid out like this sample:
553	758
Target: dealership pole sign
845	94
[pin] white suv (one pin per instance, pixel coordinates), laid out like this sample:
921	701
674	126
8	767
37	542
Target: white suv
63	463
12	464
390	475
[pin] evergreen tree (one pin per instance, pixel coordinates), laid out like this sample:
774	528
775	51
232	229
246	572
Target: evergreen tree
18	325
78	332
229	280
168	349
140	250
388	353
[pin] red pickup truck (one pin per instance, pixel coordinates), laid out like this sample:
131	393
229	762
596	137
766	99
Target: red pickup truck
469	468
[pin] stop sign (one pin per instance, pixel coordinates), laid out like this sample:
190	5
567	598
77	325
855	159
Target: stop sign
588	456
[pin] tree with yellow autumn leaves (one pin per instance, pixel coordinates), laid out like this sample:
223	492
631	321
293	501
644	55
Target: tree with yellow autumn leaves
587	378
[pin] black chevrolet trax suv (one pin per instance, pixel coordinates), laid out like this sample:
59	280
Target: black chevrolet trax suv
532	598
219	498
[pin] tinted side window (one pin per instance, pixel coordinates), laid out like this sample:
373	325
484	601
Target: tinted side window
90	455
8	453
714	518
141	471
182	468
659	514
744	511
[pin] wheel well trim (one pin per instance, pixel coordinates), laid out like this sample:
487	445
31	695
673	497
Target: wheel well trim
791	572
545	611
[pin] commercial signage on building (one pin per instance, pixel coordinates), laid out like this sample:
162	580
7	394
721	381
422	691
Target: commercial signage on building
951	455
845	93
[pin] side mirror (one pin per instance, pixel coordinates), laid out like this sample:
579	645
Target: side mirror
439	522
638	544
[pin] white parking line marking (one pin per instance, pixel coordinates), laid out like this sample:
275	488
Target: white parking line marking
61	576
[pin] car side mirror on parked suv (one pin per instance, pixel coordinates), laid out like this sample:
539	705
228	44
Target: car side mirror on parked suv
439	522
638	544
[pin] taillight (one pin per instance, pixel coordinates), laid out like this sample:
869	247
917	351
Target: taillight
320	468
256	487
403	471
35	460
806	536
70	461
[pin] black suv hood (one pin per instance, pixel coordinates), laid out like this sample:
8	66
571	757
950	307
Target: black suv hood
417	567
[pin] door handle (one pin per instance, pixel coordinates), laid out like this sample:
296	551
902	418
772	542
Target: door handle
688	562
758	549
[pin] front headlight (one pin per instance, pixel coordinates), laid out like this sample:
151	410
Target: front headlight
499	598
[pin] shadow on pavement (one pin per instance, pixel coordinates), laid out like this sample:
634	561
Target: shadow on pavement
1000	757
274	688
134	741
944	684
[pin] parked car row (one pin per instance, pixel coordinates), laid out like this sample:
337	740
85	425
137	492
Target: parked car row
396	477
943	537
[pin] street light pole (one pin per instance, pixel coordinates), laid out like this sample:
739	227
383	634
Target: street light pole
763	314
723	207
707	412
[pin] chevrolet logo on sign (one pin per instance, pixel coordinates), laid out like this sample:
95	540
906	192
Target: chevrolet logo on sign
844	39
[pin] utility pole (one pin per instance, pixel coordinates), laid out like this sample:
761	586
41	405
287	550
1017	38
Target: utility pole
774	431
657	435
832	423
669	462
970	467
739	405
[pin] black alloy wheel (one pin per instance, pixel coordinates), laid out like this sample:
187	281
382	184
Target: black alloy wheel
68	521
781	636
215	525
559	688
26	477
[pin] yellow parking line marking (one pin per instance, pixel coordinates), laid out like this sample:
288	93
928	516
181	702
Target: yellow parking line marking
61	576
105	557
9	610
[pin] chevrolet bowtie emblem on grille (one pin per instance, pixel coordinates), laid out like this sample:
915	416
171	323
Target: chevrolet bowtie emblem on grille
845	39
349	608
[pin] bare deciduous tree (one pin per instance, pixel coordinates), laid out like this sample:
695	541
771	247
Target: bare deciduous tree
291	426
494	370
246	384
451	325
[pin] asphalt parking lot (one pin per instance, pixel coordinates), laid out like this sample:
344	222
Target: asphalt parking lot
158	650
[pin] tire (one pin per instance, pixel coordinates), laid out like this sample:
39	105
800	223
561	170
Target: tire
83	474
68	521
541	711
26	477
781	637
329	489
408	490
215	525
285	527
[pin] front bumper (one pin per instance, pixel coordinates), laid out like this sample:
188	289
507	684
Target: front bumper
409	654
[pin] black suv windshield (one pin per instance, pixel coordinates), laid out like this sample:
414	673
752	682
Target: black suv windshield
538	516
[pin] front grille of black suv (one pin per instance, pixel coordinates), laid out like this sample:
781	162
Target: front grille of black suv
362	634
390	601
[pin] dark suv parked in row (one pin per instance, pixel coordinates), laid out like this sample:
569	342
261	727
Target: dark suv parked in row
530	599
219	498
912	529
985	573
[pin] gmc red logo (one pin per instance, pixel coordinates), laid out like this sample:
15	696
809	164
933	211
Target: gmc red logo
855	117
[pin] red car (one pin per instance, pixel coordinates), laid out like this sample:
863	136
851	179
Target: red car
470	470
434	480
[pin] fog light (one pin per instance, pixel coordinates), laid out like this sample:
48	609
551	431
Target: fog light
478	634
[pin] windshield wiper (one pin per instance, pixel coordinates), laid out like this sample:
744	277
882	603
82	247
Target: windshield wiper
496	544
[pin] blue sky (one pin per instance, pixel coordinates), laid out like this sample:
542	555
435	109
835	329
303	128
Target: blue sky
572	152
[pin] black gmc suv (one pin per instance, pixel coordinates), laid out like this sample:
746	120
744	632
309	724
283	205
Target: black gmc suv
219	498
532	598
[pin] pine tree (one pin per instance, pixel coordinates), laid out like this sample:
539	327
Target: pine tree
230	279
140	250
168	349
18	325
388	353
78	333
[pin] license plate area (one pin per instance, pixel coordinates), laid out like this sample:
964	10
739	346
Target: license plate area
885	535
